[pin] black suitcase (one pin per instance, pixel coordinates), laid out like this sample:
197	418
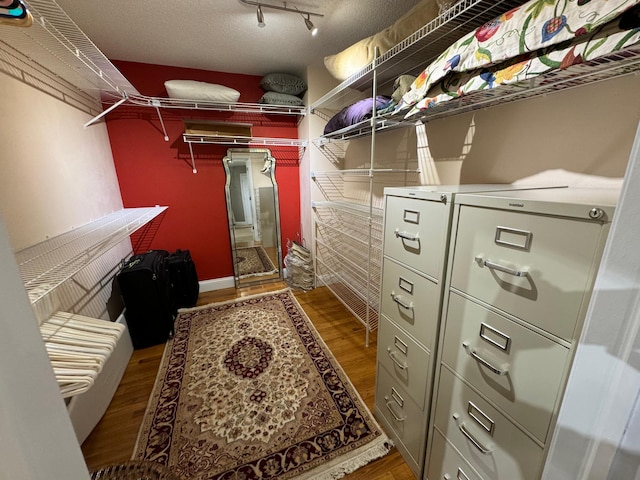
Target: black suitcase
146	291
183	278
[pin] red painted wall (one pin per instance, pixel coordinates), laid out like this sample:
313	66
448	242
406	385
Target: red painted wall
154	172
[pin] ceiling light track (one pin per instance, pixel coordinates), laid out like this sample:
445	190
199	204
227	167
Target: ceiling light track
306	15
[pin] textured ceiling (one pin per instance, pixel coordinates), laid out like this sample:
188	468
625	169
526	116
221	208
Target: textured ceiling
222	35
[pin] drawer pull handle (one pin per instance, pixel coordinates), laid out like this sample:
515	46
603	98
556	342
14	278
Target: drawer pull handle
484	450
393	355
393	413
399	301
413	237
460	476
522	272
479	359
472	439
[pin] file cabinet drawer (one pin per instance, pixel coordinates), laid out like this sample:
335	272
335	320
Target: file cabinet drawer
446	463
534	266
518	369
494	446
404	416
415	233
404	359
411	301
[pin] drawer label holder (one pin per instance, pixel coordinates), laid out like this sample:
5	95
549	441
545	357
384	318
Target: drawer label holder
513	237
495	337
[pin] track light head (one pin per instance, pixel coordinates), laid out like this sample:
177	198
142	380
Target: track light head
261	23
310	26
303	13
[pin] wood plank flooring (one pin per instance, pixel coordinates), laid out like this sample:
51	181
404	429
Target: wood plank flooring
114	437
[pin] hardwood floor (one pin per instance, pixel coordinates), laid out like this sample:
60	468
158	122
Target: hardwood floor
114	437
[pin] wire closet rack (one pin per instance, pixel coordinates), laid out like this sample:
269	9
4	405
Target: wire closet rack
47	264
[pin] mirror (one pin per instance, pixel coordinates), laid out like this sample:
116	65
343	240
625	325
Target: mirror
254	215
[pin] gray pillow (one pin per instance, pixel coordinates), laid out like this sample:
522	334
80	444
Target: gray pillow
275	98
283	83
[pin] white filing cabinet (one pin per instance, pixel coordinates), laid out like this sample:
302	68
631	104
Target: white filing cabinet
520	271
417	225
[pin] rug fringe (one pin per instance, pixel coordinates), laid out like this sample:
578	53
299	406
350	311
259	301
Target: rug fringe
365	455
234	300
261	274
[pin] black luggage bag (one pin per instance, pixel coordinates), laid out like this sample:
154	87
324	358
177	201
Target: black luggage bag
146	291
183	278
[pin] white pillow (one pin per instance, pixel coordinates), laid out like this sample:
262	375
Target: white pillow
194	90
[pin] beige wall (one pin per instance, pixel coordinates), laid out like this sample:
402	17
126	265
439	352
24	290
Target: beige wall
56	174
584	130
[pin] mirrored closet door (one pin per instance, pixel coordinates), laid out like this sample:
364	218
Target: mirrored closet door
254	215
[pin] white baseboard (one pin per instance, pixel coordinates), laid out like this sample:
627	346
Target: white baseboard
216	284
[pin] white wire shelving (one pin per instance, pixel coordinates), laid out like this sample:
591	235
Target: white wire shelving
348	252
348	225
248	108
244	141
46	265
416	51
411	56
55	43
360	129
348	236
253	108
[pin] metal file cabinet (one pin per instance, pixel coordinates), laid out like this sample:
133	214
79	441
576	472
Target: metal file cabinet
521	267
417	226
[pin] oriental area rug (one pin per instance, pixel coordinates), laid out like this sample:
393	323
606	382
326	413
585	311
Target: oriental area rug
247	389
254	261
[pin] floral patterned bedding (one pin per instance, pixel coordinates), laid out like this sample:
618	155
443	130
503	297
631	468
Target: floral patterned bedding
530	40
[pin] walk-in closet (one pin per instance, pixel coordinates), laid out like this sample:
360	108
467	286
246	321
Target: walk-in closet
439	196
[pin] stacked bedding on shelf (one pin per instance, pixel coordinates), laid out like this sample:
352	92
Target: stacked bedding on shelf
362	110
528	41
355	113
282	89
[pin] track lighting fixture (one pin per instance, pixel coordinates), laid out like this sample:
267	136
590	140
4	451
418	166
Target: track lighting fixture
260	17
310	26
305	14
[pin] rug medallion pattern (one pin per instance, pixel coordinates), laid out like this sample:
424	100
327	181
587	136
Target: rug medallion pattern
248	390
